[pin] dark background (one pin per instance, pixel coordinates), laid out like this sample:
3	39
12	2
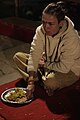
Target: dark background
32	9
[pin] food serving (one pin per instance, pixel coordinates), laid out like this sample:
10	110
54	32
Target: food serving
19	95
16	95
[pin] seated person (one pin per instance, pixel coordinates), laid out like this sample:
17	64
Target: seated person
54	52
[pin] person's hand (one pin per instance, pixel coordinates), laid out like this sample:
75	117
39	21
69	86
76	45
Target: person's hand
30	89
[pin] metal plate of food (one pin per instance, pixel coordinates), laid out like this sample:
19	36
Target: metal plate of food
16	96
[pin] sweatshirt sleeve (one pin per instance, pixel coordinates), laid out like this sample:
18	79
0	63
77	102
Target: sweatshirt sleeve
35	51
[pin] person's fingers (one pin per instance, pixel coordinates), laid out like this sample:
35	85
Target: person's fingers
30	87
29	94
30	90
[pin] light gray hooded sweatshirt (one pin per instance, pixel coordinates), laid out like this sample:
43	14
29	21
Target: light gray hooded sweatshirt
62	51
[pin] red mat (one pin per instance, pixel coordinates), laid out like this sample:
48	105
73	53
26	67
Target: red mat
64	105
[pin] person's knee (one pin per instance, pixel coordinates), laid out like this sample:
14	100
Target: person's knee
16	55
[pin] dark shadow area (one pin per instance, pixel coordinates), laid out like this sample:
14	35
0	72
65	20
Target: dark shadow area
74	98
7	9
32	9
27	10
21	83
74	13
65	101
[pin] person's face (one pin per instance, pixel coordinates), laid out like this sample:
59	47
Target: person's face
50	24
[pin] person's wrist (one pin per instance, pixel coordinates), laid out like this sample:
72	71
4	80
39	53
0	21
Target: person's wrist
30	82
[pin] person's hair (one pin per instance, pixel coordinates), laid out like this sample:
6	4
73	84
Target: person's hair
56	9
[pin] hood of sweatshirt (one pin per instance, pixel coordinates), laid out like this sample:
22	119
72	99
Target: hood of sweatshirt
66	28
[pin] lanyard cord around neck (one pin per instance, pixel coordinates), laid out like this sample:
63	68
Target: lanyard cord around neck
45	47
